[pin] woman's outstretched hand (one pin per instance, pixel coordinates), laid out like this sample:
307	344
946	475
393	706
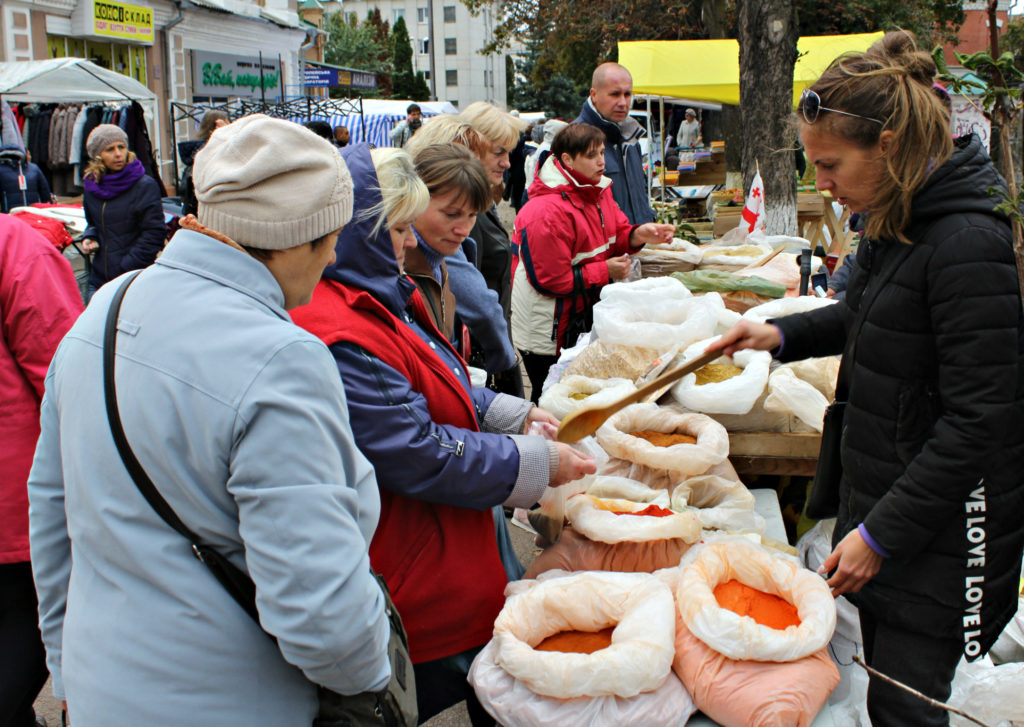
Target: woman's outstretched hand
746	334
651	233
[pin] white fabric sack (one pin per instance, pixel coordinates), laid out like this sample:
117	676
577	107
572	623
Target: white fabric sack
714	254
511	702
726	320
732	396
643	642
712	446
587	517
657	324
785	307
646	290
720	504
790	395
558	399
740	637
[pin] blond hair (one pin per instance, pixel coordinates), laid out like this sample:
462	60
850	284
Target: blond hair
447	129
497	126
96	169
404	196
891	84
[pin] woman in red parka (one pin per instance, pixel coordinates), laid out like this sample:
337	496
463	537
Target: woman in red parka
39	300
571	240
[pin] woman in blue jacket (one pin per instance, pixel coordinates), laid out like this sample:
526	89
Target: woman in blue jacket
122	206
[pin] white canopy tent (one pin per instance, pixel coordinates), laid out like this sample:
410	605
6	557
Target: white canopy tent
66	80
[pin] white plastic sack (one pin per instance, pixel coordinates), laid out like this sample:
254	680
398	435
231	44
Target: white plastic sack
657	324
732	396
649	290
712	446
790	395
1009	647
785	307
992	694
740	637
643	642
848	703
821	373
719	254
511	702
726	320
587	516
721	504
558	398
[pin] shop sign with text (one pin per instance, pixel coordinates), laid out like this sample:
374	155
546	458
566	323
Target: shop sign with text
119	20
227	76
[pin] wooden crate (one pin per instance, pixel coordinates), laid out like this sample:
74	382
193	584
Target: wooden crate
771	453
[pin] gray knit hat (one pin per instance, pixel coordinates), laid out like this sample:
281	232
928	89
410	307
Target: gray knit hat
103	136
271	184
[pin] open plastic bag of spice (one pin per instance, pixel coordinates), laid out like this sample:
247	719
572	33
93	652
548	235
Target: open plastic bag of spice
635	655
746	253
603	360
726	385
790	395
778	674
658	446
536	671
727	559
657	323
575	392
619	525
719	503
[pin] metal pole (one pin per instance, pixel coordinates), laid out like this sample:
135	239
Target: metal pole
430	47
263	91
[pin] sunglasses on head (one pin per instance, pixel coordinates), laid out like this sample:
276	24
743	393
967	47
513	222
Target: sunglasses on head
811	108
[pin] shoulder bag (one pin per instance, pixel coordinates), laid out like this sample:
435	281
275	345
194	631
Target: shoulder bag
394	706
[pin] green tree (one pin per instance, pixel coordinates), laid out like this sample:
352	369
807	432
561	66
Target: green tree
355	45
539	88
404	82
932	21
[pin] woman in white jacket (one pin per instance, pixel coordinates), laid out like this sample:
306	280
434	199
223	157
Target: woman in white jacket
238	417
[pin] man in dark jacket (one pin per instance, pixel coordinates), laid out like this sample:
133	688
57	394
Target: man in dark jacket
611	96
21	182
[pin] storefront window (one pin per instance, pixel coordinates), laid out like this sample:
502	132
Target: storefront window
125	58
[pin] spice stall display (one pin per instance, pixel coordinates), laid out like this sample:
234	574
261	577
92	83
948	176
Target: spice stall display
609	661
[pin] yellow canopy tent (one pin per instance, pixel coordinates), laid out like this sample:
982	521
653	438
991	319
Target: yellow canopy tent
709	70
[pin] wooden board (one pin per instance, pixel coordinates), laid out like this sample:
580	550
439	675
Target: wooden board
774	453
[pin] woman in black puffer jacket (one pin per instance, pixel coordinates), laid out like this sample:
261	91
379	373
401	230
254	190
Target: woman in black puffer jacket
122	208
928	539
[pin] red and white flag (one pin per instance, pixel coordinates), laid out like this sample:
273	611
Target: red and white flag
753	211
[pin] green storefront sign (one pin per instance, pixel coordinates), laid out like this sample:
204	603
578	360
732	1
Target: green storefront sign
225	76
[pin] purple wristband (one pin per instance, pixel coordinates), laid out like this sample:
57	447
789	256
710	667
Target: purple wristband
871	541
782	343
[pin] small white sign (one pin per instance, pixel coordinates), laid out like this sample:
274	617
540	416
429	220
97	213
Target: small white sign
968	118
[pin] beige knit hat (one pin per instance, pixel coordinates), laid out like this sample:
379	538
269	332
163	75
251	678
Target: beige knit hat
103	136
271	184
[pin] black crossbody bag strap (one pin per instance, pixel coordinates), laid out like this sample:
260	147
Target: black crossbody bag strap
235	581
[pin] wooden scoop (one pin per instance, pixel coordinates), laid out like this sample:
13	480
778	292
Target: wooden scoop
584	422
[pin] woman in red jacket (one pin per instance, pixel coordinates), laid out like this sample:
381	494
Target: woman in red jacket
40	300
571	240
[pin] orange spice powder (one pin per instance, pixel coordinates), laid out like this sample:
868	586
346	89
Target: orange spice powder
765	608
577	642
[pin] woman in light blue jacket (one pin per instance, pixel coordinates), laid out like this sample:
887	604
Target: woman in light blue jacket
239	418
